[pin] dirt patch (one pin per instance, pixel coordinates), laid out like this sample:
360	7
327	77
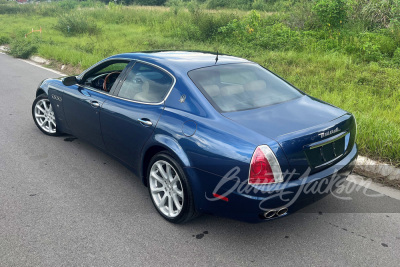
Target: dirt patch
64	68
379	178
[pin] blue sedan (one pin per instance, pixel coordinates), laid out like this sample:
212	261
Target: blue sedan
206	133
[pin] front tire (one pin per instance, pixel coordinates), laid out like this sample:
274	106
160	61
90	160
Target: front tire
43	115
169	189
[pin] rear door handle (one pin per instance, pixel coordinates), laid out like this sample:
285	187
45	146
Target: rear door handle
95	104
145	122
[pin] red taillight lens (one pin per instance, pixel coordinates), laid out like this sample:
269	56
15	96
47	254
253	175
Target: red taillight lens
264	167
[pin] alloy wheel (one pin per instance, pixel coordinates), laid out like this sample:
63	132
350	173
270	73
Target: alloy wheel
166	188
44	116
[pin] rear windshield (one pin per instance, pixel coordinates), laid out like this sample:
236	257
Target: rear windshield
235	87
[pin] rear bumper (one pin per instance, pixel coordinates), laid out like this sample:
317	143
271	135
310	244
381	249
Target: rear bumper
248	202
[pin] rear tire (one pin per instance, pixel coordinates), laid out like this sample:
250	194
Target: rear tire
169	189
43	115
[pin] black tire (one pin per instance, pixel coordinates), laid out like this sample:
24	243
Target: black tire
49	130
188	211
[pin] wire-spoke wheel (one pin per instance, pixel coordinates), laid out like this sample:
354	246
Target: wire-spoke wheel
43	115
169	189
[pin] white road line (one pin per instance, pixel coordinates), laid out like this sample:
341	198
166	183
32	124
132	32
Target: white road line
387	191
39	66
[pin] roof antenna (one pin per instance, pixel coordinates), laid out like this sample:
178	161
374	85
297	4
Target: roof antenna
216	58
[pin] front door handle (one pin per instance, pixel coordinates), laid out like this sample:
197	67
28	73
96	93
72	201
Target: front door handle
145	122
95	104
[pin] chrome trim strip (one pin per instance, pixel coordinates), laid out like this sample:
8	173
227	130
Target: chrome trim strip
129	100
328	162
327	141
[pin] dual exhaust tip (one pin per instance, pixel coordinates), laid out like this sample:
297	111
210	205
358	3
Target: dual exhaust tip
275	213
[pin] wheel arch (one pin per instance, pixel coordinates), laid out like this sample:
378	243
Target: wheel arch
40	91
43	87
162	143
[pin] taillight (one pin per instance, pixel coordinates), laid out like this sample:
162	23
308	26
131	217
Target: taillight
264	167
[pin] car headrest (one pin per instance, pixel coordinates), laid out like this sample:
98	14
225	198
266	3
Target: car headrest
232	90
145	87
208	77
212	90
257	85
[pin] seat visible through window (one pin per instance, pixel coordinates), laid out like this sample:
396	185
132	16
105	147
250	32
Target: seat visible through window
145	83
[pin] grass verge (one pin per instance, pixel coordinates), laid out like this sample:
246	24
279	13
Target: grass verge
367	88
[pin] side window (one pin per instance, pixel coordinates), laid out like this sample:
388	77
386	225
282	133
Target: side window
118	66
102	77
145	83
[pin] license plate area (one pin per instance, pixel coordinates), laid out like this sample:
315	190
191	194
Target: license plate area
326	152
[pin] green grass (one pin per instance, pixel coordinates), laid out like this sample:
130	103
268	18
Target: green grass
331	67
370	92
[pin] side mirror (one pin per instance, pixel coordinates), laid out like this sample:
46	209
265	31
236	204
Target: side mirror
68	81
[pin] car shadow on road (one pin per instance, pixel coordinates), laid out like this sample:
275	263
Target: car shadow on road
133	200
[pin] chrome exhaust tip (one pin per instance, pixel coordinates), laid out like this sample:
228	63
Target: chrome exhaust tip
282	212
269	214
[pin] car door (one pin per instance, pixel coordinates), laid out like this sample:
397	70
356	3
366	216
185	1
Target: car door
81	109
82	106
129	119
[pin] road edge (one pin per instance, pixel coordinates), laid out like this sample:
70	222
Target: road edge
364	166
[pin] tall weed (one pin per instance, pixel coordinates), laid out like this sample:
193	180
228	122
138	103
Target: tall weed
75	23
22	47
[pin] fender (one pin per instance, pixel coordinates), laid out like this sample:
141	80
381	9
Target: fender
173	145
43	87
53	88
157	143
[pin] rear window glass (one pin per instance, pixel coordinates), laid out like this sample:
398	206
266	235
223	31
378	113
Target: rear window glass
235	87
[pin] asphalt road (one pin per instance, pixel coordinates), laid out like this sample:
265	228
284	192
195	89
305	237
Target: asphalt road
65	203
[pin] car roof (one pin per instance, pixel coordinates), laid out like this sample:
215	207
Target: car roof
182	61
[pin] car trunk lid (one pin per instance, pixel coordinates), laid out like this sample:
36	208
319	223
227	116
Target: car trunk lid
313	134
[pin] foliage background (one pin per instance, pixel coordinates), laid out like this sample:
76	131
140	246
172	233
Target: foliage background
343	52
